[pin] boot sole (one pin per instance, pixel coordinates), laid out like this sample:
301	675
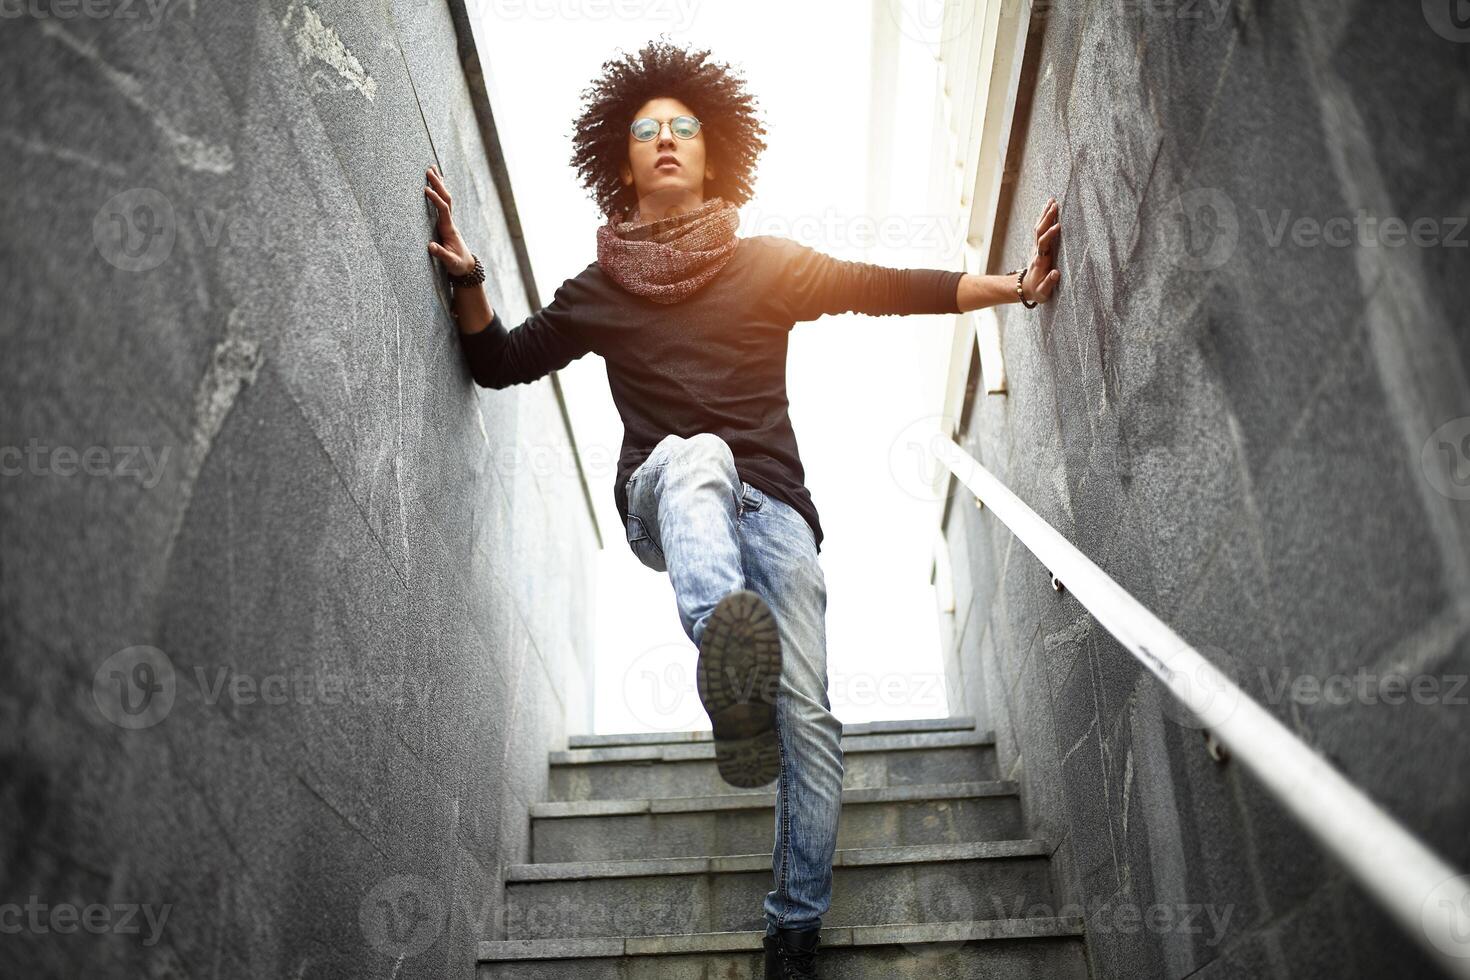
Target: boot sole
738	676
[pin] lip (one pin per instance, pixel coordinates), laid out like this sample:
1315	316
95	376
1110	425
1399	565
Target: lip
666	160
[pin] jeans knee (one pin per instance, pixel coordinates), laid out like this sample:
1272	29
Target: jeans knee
709	445
705	450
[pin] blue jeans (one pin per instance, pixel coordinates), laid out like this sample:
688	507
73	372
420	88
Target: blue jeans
690	514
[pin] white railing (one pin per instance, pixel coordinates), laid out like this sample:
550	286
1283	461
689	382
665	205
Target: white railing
1428	897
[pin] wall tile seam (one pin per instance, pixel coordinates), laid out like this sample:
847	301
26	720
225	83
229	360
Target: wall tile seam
399	574
1025	660
551	685
1190	154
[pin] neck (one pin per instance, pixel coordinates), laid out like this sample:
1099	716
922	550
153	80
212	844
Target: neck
656	207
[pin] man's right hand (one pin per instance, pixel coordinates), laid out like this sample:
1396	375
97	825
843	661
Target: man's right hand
450	249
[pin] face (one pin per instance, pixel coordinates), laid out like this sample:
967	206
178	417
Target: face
666	168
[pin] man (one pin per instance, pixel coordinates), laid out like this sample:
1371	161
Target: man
692	322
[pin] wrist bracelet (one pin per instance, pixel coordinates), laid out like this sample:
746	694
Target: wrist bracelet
1020	275
473	278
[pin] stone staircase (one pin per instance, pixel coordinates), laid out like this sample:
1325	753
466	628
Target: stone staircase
648	865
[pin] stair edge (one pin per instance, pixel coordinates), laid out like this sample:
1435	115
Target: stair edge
760	801
844	857
951	723
881	934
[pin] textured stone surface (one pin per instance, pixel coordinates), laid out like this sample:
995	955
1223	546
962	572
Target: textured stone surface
868	761
1238	442
1009	950
948	885
929	878
335	504
900	726
605	830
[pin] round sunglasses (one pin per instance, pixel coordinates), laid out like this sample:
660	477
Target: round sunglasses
645	129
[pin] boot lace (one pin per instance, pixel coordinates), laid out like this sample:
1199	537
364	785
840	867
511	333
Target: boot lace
799	965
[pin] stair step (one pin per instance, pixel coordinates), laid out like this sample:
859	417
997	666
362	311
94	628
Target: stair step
917	884
688	769
744	823
1005	949
955	723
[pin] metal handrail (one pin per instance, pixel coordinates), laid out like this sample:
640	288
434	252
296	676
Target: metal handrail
1428	897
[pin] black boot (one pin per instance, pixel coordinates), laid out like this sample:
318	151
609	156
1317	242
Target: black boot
738	673
792	955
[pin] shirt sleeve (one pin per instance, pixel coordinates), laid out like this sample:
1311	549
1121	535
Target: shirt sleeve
546	341
813	284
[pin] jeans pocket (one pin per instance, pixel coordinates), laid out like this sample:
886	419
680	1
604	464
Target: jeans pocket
751	499
644	548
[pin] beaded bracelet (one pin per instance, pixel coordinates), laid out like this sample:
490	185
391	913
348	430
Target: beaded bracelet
1021	275
473	278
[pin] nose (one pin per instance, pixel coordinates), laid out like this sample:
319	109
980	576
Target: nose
662	143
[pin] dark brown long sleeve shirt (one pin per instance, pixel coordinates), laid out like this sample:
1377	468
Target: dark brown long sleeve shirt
713	362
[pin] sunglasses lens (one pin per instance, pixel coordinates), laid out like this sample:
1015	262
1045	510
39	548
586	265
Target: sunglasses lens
685	127
645	129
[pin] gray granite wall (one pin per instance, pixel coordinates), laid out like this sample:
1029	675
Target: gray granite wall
291	612
1249	405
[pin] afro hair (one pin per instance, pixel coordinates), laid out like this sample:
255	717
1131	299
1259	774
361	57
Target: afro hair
713	90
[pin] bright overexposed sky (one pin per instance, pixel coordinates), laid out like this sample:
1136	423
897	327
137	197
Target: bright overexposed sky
856	383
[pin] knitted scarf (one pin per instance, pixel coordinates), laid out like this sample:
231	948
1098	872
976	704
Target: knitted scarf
668	259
